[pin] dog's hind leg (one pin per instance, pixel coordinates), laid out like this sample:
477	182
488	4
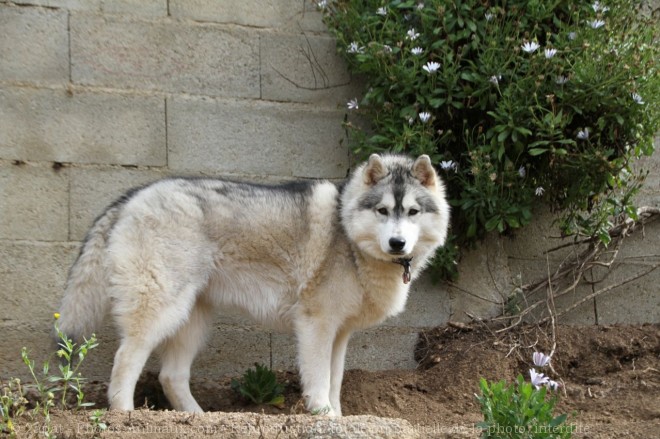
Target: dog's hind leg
178	353
145	322
129	361
337	374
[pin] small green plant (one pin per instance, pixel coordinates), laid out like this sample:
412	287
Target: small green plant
12	405
260	386
96	418
522	409
53	389
68	377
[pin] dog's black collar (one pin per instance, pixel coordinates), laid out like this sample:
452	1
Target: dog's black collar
405	263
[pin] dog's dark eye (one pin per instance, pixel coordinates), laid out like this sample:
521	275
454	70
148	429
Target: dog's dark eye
382	211
413	212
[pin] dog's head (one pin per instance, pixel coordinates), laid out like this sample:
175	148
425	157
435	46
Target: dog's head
395	207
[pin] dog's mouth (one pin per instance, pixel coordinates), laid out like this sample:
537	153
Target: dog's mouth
397	252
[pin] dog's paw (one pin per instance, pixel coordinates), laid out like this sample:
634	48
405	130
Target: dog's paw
323	411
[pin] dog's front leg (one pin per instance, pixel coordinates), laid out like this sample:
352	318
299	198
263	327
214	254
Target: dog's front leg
337	374
315	342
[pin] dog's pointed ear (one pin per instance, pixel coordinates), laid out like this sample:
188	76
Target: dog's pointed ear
423	171
375	170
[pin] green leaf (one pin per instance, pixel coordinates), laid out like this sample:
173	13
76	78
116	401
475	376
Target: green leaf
492	223
537	151
558	420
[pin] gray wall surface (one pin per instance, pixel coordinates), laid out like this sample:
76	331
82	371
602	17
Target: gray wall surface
97	96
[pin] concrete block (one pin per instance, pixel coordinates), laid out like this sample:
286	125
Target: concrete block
35	203
584	314
166	56
290	15
32	334
484	282
381	348
34	46
142	8
241	137
535	239
307	17
428	305
93	190
637	301
231	350
71	5
649	195
52	125
32	275
302	68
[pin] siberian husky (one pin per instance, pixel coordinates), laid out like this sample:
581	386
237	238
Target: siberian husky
316	258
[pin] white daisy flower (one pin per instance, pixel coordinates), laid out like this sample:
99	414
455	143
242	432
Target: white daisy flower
412	35
416	50
420	6
425	116
583	134
354	47
382	11
448	165
530	46
522	172
431	66
538	379
352	104
539	191
596	24
561	80
387	49
411	120
596	6
637	98
549	53
495	79
489	16
540	359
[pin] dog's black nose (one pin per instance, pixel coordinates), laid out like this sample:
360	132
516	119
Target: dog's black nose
397	244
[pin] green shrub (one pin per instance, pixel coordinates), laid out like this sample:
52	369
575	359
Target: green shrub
260	386
520	103
523	410
519	411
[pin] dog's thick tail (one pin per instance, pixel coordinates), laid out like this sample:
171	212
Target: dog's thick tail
86	301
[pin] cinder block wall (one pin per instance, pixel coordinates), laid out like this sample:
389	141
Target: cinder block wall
97	96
